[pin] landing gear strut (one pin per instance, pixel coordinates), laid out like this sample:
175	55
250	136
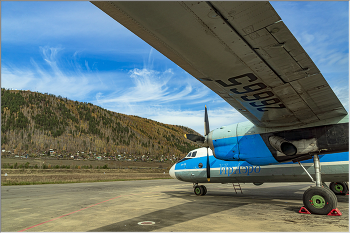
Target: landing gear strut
319	200
199	190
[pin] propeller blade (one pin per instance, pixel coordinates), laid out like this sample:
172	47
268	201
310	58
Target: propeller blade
206	132
208	166
206	122
195	138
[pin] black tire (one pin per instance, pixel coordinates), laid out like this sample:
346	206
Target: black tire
204	189
319	200
339	188
198	190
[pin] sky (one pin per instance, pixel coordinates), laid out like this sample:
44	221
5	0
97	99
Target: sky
75	50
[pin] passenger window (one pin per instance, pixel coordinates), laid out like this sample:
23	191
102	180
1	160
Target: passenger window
189	155
194	154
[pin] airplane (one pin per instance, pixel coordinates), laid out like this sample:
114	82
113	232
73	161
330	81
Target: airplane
245	53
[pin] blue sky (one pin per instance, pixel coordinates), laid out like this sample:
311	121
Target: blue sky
75	50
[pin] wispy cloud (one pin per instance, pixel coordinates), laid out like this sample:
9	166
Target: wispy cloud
49	76
151	87
154	86
157	95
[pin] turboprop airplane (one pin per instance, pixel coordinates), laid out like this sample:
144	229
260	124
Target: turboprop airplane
245	53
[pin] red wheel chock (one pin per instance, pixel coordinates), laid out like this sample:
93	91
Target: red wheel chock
335	212
303	210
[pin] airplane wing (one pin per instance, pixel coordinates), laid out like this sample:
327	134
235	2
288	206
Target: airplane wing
240	50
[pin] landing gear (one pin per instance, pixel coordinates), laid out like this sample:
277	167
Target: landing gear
339	188
199	190
319	199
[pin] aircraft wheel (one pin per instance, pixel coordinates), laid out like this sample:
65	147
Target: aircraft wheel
205	189
339	187
319	200
199	190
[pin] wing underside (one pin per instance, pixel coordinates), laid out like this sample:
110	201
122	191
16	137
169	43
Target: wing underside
240	50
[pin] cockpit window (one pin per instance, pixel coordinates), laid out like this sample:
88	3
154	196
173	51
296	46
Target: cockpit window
189	155
194	153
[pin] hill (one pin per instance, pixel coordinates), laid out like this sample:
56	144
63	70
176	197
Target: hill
32	123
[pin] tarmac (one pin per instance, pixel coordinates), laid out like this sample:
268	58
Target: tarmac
162	205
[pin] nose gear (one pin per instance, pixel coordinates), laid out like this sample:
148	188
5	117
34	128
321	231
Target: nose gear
199	190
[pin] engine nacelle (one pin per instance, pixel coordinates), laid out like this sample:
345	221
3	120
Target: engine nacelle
241	143
283	146
226	145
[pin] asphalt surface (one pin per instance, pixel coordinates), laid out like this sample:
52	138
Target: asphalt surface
167	205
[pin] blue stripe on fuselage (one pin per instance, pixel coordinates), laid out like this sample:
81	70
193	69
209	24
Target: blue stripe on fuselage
216	163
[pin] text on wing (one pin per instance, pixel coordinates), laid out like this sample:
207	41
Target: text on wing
255	86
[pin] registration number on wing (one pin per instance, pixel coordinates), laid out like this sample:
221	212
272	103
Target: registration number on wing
262	101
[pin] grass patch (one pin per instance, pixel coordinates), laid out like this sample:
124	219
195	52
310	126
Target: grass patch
23	178
10	183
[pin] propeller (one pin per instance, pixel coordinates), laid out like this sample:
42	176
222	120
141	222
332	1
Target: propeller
206	132
201	139
208	165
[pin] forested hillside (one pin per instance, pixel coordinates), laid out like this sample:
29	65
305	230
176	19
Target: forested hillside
32	123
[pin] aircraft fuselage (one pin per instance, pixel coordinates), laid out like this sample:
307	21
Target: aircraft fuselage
246	153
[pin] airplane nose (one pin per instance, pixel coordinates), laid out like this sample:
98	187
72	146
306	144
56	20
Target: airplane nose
172	171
